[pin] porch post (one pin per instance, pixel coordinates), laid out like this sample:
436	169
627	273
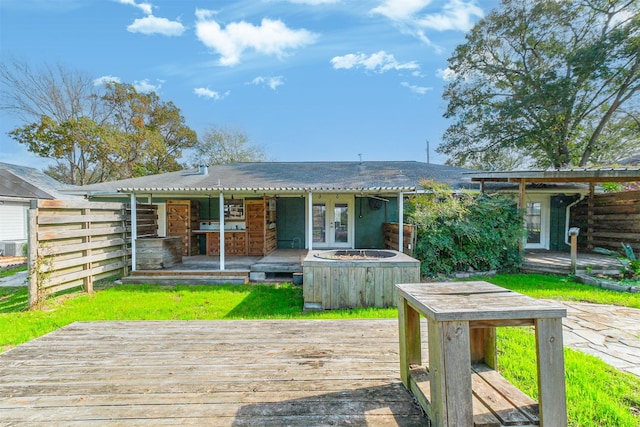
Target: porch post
310	221
401	222
522	204
134	230
221	231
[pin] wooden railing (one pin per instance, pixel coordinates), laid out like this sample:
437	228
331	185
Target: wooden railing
391	237
608	220
74	243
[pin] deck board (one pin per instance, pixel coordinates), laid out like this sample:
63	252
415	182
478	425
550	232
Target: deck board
223	373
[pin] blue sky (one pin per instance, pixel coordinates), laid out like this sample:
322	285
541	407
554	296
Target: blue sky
307	80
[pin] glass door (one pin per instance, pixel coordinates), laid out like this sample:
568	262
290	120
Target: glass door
536	219
332	224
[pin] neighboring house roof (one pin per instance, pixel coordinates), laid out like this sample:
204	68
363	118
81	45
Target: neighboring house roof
560	175
631	161
291	177
22	182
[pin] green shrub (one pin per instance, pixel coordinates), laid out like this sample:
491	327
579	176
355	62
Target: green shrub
465	232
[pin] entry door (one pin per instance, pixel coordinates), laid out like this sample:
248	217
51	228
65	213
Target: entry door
536	220
332	224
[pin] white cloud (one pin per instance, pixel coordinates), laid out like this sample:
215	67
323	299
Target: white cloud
272	82
204	92
446	74
400	10
456	15
420	90
154	25
103	80
411	16
144	86
144	7
379	62
269	38
315	2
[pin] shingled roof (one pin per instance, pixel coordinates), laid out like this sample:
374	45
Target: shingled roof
28	183
292	176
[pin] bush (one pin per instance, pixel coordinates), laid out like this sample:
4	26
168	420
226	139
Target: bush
465	232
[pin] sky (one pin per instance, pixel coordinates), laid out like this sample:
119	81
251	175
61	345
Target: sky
306	80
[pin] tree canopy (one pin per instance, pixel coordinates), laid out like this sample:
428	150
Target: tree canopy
94	133
220	146
556	81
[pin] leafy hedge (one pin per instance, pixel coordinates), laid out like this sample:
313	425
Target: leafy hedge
465	232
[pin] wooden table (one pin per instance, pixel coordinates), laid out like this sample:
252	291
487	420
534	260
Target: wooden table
461	320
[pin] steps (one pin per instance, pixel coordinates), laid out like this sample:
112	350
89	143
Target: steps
187	277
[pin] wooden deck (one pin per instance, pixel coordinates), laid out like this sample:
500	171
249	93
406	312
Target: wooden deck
222	373
542	261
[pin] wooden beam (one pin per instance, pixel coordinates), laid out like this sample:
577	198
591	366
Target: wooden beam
590	220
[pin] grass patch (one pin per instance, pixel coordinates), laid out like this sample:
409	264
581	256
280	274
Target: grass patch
562	288
597	395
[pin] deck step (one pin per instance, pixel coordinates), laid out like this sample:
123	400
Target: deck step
182	273
235	278
277	267
496	402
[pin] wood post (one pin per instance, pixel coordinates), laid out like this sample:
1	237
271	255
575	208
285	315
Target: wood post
522	204
590	214
32	260
573	232
86	225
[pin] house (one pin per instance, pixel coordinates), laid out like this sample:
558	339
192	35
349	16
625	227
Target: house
254	208
550	198
19	185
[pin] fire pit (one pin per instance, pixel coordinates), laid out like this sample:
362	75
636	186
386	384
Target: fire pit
356	254
355	278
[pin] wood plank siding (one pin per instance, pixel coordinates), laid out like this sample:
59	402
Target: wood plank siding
222	373
606	220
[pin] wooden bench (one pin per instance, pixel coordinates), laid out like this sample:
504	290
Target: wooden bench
458	384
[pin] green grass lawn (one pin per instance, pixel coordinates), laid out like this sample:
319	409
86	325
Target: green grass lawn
597	395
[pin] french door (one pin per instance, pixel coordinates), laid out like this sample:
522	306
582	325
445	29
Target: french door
332	224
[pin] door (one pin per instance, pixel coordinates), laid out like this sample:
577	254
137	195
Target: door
537	220
333	224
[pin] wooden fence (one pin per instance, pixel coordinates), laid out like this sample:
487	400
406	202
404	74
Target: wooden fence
74	243
391	237
606	220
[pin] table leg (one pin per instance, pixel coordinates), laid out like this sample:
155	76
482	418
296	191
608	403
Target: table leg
410	346
450	373
551	382
483	346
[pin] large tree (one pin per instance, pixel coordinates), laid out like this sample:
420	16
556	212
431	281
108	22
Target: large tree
553	80
150	134
94	133
220	146
62	113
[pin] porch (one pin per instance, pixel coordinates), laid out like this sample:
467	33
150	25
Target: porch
279	265
543	261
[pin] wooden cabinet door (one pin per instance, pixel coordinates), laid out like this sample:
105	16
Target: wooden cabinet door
182	217
179	222
255	212
213	244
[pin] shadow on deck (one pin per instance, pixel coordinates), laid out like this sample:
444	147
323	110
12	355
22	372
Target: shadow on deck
543	261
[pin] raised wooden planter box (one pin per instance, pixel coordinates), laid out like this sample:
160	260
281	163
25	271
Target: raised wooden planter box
156	253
